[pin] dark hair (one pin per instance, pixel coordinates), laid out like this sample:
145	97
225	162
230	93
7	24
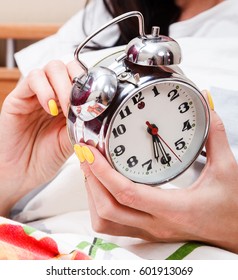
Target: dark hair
156	12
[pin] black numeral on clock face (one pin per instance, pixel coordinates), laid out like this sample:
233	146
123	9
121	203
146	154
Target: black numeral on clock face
166	159
137	98
148	164
121	129
155	91
125	112
132	161
180	144
184	107
173	94
186	125
119	150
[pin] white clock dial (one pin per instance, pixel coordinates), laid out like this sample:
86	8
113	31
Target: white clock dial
158	132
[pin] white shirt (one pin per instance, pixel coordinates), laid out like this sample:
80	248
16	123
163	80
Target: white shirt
219	21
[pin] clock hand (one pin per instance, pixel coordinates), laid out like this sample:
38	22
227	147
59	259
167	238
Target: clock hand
152	128
154	131
155	146
166	157
169	147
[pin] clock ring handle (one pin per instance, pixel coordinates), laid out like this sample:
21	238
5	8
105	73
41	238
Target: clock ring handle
112	22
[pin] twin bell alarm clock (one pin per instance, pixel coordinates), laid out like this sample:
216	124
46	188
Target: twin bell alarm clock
139	109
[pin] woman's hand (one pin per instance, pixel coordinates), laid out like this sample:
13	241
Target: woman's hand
207	211
33	136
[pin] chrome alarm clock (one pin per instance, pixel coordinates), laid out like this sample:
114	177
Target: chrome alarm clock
139	109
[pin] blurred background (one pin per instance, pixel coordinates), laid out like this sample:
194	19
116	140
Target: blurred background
23	22
34	12
38	11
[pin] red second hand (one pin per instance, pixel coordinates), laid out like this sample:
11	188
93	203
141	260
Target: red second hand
169	147
154	131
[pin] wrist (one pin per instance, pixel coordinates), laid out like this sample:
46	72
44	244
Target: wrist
10	190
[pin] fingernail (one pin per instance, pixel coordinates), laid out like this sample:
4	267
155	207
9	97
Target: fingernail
79	153
210	101
88	154
53	107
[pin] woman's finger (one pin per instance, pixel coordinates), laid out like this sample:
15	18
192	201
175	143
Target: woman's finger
50	87
74	69
60	81
32	93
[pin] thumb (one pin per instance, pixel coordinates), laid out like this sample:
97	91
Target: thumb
217	146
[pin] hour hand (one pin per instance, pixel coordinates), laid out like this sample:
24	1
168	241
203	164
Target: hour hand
156	147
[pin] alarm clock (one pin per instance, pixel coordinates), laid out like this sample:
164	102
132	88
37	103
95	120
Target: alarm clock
139	109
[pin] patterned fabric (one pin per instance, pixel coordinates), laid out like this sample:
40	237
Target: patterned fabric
19	242
22	242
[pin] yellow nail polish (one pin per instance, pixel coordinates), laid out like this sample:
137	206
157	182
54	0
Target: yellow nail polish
53	107
79	153
88	154
210	101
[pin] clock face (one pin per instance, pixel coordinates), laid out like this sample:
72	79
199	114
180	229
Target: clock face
158	132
